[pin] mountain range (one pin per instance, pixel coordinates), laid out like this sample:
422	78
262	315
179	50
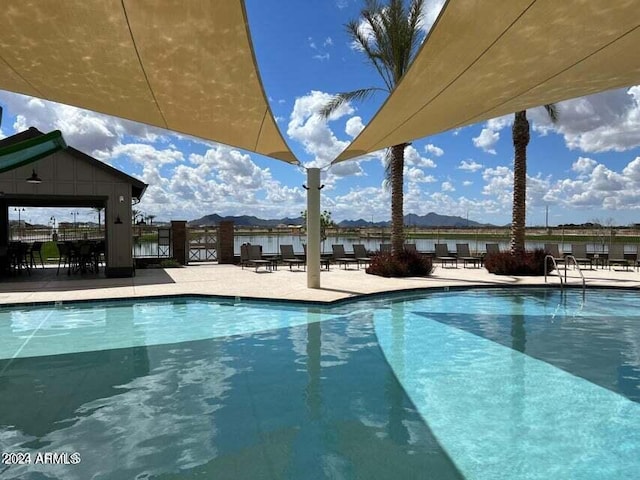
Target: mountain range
429	220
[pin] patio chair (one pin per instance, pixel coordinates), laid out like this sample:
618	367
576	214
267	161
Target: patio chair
340	257
492	248
579	252
17	254
443	255
324	261
616	256
36	250
361	254
553	250
64	257
385	247
463	253
288	257
254	257
410	247
244	254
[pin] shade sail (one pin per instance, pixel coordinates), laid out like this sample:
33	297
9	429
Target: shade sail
16	154
185	66
487	59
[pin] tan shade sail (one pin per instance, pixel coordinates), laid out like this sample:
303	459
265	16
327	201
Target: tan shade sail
484	59
187	66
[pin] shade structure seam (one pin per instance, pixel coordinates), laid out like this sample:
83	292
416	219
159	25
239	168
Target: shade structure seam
144	72
481	55
586	57
40	94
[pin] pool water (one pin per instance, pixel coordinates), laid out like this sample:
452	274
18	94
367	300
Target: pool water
476	384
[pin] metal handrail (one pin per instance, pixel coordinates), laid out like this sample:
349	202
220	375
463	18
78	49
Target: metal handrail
553	260
575	262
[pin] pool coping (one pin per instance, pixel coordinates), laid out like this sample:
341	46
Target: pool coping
310	303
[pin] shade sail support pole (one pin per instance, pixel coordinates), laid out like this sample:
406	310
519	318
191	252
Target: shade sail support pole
313	227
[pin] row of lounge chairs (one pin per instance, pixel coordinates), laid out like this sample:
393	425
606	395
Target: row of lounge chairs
252	256
614	257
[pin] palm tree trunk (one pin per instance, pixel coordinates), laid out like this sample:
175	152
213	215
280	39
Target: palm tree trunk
397	198
520	135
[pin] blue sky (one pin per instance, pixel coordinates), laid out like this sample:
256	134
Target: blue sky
585	168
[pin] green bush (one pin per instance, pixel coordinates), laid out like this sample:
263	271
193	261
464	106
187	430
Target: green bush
169	263
528	263
404	264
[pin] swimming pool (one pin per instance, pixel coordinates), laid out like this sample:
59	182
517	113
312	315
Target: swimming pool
476	384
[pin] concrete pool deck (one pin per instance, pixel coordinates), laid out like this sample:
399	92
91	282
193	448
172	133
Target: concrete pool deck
230	280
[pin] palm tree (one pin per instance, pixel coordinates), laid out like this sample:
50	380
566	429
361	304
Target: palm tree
389	39
520	135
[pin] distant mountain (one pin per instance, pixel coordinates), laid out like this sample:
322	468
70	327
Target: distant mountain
428	220
244	221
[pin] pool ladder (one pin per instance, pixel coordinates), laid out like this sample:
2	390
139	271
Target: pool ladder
567	259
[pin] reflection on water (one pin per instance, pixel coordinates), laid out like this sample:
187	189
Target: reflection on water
576	337
315	400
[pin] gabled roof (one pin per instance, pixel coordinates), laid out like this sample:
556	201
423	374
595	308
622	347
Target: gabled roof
137	187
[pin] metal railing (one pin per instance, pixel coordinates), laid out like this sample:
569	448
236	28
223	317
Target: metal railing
567	259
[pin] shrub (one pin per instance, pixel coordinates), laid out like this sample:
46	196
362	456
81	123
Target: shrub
528	263
170	263
404	264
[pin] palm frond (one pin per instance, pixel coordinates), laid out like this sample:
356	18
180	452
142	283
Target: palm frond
552	110
341	98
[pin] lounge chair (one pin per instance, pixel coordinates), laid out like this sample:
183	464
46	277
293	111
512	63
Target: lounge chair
579	252
492	248
463	253
410	247
323	261
442	254
340	257
255	258
616	256
385	247
288	257
553	250
361	254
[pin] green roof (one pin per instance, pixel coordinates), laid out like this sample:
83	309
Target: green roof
28	151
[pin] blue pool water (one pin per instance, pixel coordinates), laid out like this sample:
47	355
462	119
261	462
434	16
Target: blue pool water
475	384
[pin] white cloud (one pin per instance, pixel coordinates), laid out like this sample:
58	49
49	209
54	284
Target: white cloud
470	165
142	153
486	140
583	165
412	157
354	126
467	183
437	151
447	187
415	175
608	121
311	130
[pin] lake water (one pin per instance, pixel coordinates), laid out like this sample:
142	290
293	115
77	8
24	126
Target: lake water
271	244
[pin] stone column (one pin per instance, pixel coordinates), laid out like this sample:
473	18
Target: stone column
179	241
226	242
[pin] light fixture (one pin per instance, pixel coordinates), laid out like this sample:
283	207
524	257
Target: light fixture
118	221
34	178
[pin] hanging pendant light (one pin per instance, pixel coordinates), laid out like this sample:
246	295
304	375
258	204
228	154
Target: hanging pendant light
34	178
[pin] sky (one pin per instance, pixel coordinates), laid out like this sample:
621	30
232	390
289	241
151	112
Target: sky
584	168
